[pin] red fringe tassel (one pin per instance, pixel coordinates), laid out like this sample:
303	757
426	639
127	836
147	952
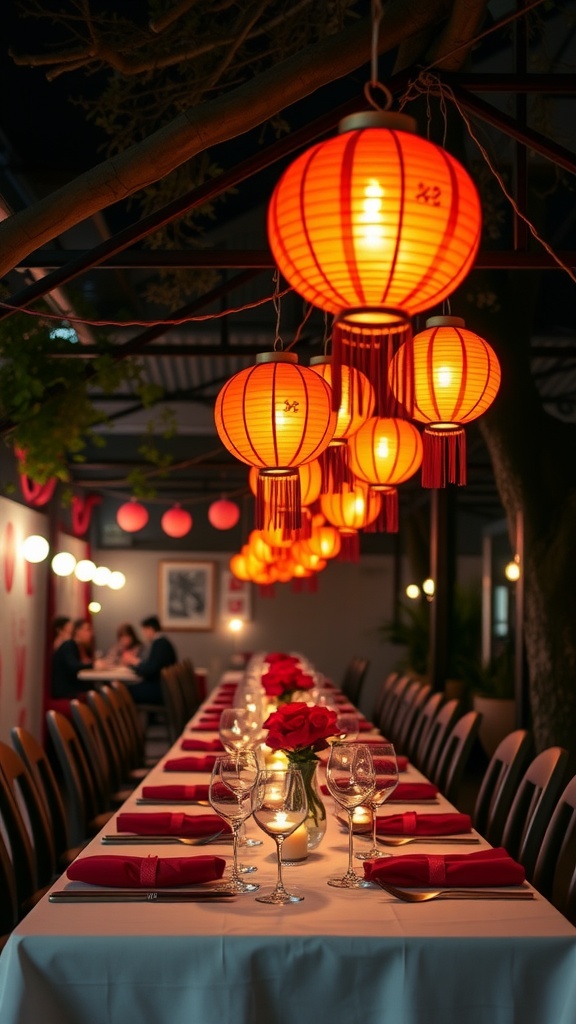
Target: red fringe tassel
278	501
335	469
350	550
387	519
370	348
444	459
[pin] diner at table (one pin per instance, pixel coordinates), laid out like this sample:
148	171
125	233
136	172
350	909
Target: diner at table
293	936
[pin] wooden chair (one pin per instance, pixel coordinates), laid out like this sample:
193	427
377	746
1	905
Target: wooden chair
190	692
400	708
26	794
381	698
555	871
87	817
118	696
22	854
102	757
455	754
8	895
431	744
354	679
499	784
531	810
410	720
173	702
391	703
423	724
35	758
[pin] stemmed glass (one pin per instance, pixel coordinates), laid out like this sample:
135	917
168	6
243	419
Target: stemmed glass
385	782
280	806
234	777
347	724
350	780
240	729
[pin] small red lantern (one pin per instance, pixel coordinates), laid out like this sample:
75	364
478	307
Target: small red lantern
384	453
176	522
276	415
223	514
456	379
351	510
132	516
356	405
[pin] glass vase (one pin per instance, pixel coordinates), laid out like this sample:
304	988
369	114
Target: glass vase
315	821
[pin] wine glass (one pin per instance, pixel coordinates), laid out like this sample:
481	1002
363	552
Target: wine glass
347	724
350	780
234	777
241	729
280	806
385	782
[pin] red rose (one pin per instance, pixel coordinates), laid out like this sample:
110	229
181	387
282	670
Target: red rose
297	725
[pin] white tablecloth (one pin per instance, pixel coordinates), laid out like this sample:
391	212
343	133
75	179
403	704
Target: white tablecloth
341	957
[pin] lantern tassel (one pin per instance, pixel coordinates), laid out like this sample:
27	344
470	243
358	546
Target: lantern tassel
387	519
350	550
444	459
370	349
278	505
335	469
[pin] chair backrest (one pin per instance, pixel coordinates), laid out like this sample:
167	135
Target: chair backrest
401	708
38	764
21	851
354	678
423	724
555	871
529	816
8	895
112	739
133	723
431	745
190	692
80	791
88	729
382	694
391	704
410	720
455	754
173	702
27	795
499	784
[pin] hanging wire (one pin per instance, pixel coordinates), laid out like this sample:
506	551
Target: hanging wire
374	84
309	308
278	343
327	335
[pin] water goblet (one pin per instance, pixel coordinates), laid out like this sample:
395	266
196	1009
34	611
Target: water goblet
280	806
241	729
347	725
350	780
385	782
234	777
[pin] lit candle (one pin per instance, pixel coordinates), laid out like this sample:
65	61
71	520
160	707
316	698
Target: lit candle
295	847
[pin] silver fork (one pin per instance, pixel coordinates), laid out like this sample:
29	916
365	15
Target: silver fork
404	840
153	840
453	894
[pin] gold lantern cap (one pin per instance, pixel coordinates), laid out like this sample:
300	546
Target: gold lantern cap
377	119
445	321
320	360
276	357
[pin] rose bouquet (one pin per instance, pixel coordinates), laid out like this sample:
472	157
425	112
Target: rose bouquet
300	730
284	678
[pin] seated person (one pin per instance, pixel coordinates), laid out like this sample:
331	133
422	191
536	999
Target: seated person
159	653
67	661
126	640
62	627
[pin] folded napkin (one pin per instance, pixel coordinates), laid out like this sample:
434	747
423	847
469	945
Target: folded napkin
211	726
167	823
193	744
211	720
484	867
198	792
191	764
414	791
218	705
412	824
146	872
365	726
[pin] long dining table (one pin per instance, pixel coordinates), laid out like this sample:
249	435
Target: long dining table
340	956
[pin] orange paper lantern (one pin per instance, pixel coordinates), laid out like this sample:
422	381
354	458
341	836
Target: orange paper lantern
356	405
385	452
353	509
374	225
456	379
276	415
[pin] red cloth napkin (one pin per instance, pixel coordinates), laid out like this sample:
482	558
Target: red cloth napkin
146	872
211	726
364	725
167	823
484	867
212	720
414	791
192	744
191	764
412	824
198	792
274	657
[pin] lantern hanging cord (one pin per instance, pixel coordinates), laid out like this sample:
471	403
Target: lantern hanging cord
327	335
431	84
374	84
307	315
278	343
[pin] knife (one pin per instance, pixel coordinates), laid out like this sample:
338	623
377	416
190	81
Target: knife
166	840
138	895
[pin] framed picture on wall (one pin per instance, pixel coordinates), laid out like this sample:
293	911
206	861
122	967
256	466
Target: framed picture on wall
186	594
235	597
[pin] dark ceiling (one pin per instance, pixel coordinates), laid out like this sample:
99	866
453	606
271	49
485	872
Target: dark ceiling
523	110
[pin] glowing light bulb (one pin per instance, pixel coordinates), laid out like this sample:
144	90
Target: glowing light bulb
64	563
444	376
512	571
35	548
383	449
84	570
94	607
101	576
117	580
372	230
236	625
428	587
412	591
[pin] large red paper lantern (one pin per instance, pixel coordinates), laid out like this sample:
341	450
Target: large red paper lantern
132	516
223	514
276	415
176	522
356	405
351	510
374	225
385	452
456	379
